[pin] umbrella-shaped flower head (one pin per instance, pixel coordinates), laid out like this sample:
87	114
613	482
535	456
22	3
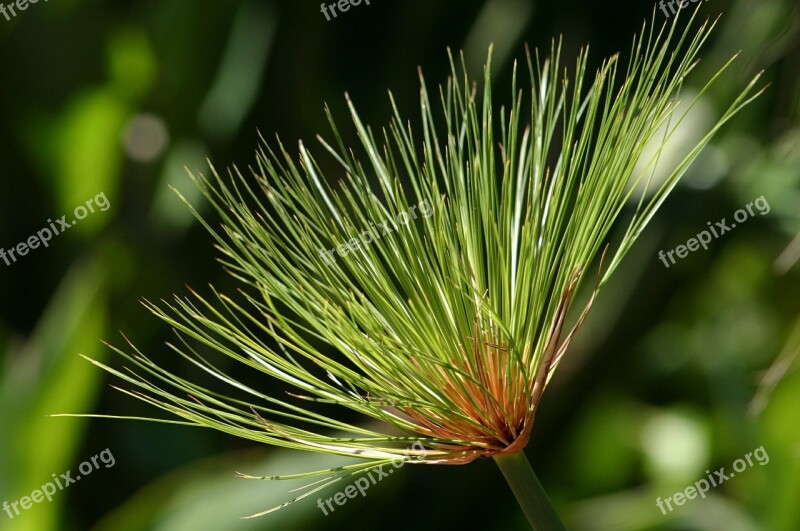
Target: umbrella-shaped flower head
426	282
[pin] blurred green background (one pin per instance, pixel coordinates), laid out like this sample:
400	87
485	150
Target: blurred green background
676	371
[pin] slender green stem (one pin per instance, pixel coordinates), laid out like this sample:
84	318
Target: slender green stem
529	492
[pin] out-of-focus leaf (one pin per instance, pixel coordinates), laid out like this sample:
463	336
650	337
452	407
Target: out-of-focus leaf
781	439
131	62
90	154
236	86
208	496
169	213
47	376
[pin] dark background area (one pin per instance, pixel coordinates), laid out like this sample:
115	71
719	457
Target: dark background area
678	370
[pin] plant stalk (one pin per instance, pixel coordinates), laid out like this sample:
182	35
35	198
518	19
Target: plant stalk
529	492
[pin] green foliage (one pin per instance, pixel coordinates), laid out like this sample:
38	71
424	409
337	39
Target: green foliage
449	326
707	336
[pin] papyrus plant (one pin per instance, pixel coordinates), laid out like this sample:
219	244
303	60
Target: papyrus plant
447	328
